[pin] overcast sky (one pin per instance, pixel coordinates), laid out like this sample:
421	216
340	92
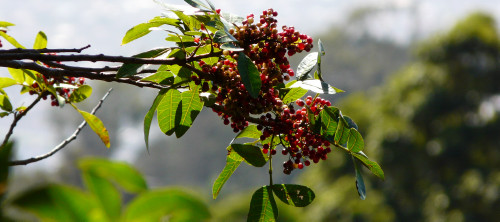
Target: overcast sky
102	23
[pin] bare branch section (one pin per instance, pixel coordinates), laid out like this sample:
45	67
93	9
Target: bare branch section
20	59
17	117
63	143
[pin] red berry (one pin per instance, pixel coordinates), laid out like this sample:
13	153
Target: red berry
265	151
300	165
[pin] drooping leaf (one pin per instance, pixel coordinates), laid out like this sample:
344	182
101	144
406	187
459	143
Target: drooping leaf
6	82
5	103
360	184
80	94
191	107
167	111
11	40
371	165
306	65
120	173
263	206
233	160
3	114
174	204
251	154
250	75
355	142
293	95
130	69
293	194
149	116
59	203
97	126
40	41
316	86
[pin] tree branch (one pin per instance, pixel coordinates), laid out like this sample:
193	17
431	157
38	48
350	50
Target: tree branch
63	143
20	50
17	117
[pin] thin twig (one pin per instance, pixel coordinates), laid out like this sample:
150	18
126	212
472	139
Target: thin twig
17	117
63	143
19	50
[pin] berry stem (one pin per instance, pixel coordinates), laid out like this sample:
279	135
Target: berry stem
271	162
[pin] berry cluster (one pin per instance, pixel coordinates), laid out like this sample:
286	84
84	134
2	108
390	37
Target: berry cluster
56	83
268	48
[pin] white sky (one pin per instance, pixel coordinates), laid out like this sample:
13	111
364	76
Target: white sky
102	23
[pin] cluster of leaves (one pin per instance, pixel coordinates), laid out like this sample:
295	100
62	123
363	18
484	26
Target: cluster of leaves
204	31
103	201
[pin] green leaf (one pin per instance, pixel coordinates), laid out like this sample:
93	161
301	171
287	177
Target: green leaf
293	95
306	65
355	142
23	76
191	107
342	133
250	131
161	77
11	40
4	114
231	47
130	69
329	121
6	82
5	103
59	203
293	194
251	154
174	204
179	38
263	206
165	21
5	156
80	94
138	31
196	4
233	160
107	195
360	184
321	47
229	19
167	111
316	86
120	173
223	36
40	41
5	24
371	165
350	122
149	116
250	75
96	125
211	5
190	21
205	50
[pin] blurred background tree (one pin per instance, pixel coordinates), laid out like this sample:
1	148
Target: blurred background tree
434	128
